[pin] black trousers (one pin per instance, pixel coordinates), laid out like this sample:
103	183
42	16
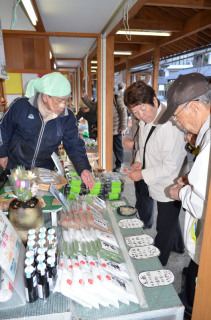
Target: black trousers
118	150
188	292
169	235
144	203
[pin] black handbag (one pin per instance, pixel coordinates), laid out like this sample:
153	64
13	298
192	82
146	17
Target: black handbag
144	203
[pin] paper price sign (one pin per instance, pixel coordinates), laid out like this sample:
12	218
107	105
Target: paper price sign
156	278
144	252
116	204
130	223
9	247
139	240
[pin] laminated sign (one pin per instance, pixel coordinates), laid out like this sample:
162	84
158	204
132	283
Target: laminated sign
9	247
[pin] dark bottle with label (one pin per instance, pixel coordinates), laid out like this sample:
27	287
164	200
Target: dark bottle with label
30	280
52	271
42	281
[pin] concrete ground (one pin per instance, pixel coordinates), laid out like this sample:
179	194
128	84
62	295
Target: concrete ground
176	261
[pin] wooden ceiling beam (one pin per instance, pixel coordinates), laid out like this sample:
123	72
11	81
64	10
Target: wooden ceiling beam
39	26
194	4
154	24
120	38
132	12
51	34
196	23
126	46
120	67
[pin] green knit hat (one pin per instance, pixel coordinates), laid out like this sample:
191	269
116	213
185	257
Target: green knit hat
53	84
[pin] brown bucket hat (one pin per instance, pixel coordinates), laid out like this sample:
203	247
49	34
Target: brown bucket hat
185	88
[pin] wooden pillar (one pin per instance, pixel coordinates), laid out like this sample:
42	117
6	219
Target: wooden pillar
202	305
127	73
81	78
99	106
89	78
77	89
109	101
156	69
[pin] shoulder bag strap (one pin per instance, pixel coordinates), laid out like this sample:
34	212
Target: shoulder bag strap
149	134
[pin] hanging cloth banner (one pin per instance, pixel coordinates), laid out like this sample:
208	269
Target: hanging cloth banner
3	71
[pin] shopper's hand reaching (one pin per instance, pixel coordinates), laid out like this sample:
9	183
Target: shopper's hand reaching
136	165
174	191
135	175
128	144
87	178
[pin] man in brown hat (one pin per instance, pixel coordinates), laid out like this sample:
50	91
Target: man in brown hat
188	104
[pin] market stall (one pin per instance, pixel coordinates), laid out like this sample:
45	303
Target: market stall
153	299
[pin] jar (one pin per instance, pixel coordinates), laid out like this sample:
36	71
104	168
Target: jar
25	215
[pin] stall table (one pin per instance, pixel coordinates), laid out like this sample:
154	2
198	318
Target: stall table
155	303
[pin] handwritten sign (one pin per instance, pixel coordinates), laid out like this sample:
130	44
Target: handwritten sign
116	204
130	223
139	240
144	252
9	247
156	278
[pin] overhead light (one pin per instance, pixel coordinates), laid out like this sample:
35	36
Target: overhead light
93	70
93	61
30	10
145	33
123	53
50	55
93	67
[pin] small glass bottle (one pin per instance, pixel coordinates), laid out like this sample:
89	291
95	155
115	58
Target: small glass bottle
30	281
42	281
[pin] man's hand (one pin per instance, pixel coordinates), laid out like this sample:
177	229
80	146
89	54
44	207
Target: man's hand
128	144
3	162
122	132
87	178
174	191
182	181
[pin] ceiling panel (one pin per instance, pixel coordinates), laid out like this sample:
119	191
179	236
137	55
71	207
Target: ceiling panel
76	15
70	47
6	17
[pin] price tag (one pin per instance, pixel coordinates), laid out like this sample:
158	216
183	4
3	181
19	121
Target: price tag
144	252
139	240
156	278
130	223
116	204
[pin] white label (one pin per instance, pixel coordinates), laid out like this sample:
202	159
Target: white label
130	223
100	222
40	291
34	281
138	240
27	294
156	278
144	252
108	247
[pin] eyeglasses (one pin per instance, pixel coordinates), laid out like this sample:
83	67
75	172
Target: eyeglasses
175	117
59	102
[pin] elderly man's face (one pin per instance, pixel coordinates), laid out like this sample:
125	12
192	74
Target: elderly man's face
145	111
188	117
55	104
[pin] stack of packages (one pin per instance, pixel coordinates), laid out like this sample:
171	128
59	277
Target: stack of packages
91	271
108	185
